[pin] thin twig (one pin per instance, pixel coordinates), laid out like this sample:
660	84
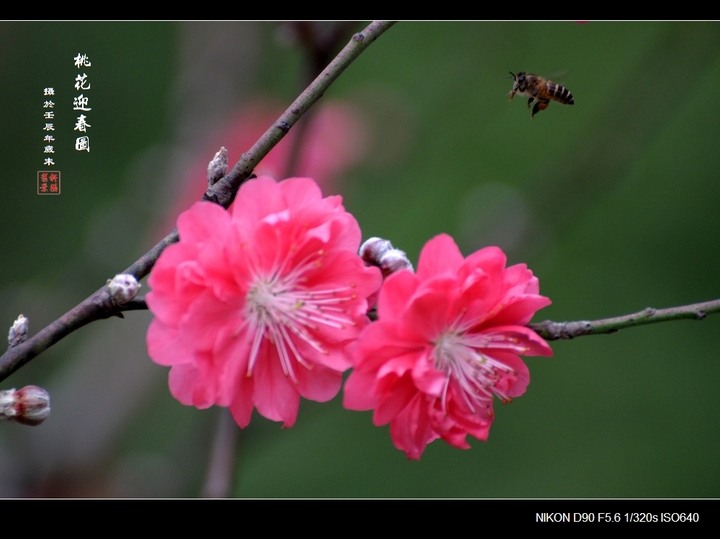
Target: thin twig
553	331
100	305
320	40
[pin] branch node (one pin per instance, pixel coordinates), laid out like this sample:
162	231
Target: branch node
699	315
211	196
359	37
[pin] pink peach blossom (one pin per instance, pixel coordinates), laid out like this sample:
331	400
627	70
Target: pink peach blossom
446	341
254	306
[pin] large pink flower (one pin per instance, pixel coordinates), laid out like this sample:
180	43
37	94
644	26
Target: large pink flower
446	341
254	307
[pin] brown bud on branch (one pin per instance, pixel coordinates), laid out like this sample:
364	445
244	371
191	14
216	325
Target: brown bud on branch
27	406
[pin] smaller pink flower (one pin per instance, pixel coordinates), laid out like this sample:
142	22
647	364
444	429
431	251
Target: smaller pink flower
446	341
255	306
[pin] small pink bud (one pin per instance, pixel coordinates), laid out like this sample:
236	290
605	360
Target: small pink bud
28	406
379	252
123	288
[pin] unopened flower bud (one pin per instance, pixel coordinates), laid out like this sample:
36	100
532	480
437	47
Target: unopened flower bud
123	288
18	331
379	252
217	168
373	249
394	260
27	406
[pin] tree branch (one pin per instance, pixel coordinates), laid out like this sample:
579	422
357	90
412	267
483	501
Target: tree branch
223	192
100	305
552	331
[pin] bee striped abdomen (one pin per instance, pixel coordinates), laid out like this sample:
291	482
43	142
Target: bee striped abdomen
560	93
540	90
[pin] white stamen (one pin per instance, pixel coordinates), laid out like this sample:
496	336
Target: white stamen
279	308
461	357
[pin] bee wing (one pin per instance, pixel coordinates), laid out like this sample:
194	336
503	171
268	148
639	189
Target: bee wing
559	76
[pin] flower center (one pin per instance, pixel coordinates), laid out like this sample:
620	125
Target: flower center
283	310
461	356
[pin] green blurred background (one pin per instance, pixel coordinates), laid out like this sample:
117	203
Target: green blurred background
613	203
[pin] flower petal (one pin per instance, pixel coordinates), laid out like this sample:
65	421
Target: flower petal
447	341
440	255
257	307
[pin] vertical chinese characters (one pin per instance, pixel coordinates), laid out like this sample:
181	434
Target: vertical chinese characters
49	115
81	103
48	181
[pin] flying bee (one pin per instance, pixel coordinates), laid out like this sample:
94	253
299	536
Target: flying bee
539	89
